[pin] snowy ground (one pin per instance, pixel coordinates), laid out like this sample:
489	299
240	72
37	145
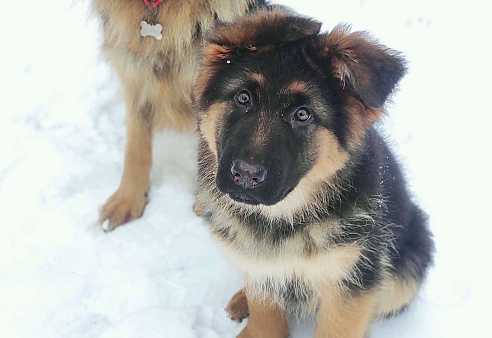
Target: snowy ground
61	148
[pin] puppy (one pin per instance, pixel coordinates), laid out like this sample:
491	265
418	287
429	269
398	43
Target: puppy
300	191
152	46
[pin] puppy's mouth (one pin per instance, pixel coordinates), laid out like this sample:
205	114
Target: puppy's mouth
240	197
246	199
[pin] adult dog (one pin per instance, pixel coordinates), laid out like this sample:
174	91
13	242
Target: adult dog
152	46
298	188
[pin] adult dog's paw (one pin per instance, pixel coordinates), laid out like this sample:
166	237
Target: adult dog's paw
122	207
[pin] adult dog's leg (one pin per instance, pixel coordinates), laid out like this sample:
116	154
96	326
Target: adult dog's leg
266	320
128	202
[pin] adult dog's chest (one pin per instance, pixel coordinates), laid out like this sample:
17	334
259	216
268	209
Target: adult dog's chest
131	27
183	22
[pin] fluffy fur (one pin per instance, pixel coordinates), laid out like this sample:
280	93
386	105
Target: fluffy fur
157	78
300	191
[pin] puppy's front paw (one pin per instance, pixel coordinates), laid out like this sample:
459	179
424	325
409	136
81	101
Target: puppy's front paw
238	307
198	208
122	207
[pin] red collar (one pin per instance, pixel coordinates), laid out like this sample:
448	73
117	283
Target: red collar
153	3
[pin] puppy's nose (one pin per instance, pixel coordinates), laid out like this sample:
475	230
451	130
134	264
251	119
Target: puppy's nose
248	175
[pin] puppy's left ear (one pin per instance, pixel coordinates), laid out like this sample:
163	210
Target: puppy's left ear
362	66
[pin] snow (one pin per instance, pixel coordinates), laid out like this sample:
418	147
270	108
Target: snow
61	145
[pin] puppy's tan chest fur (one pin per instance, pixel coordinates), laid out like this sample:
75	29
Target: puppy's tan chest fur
292	272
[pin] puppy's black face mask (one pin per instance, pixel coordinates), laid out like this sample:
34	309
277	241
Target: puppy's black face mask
266	138
263	151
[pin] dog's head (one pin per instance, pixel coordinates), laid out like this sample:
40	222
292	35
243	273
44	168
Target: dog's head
282	107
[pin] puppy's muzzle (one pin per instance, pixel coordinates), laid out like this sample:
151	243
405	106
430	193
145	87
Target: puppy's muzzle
248	175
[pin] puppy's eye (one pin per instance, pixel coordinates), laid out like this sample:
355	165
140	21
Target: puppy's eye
243	97
303	114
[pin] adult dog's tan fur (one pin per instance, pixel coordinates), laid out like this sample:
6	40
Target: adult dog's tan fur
157	78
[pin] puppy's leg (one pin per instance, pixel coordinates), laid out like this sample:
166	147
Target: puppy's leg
238	306
128	202
342	316
266	320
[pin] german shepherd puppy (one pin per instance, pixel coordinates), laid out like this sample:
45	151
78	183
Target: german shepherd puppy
299	189
157	70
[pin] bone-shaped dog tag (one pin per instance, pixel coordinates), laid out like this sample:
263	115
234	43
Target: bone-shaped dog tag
148	29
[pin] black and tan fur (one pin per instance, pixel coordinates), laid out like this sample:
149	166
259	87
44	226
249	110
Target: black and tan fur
300	191
157	78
